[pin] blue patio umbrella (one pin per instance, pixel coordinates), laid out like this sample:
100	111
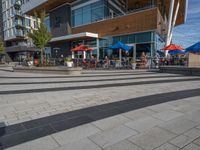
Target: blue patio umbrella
121	46
176	52
194	48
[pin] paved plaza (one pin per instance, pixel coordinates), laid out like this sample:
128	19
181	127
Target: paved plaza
99	110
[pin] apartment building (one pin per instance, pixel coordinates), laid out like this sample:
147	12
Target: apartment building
1	23
146	25
15	28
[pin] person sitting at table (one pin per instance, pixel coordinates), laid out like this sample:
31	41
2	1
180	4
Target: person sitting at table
143	61
106	62
93	62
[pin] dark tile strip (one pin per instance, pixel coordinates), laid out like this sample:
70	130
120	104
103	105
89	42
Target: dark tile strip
94	86
113	71
86	80
25	135
34	129
101	75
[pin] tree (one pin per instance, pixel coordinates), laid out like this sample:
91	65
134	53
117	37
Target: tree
40	36
1	47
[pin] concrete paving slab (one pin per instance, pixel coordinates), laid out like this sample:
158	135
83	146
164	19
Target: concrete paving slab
167	115
110	137
111	122
193	133
138	114
181	141
75	134
162	107
143	124
167	146
46	143
178	125
123	145
152	138
83	144
191	147
193	115
197	141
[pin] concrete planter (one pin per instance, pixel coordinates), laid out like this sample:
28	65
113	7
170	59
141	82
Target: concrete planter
69	64
133	65
50	70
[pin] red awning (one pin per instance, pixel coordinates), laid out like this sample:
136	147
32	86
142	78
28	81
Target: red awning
172	47
82	48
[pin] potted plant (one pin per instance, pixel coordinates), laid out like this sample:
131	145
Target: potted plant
133	64
68	62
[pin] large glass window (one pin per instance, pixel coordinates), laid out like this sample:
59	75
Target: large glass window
47	23
27	22
143	37
97	11
87	14
78	17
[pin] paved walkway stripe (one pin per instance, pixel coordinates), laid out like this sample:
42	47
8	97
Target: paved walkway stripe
10	92
96	80
93	72
34	129
100	75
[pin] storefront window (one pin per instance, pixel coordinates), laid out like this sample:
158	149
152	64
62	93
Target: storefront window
143	37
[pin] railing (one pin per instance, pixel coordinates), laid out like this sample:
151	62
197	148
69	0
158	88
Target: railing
20	34
19	13
114	64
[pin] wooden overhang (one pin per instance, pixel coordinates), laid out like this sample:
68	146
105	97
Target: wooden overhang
163	5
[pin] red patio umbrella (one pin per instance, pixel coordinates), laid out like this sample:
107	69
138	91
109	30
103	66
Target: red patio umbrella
172	47
82	48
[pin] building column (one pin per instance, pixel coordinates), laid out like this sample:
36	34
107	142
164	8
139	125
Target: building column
134	52
97	49
72	55
175	18
84	54
171	10
120	57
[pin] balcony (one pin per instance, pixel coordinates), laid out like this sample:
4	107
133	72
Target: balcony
17	4
19	14
19	24
20	34
18	48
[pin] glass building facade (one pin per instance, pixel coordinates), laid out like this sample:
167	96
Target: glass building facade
94	12
147	42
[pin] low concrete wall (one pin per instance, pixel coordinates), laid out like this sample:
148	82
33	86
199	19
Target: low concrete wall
195	71
49	70
6	67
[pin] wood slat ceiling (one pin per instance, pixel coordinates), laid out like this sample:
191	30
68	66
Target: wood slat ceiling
131	5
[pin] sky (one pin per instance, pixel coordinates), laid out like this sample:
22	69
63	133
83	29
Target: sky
189	33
